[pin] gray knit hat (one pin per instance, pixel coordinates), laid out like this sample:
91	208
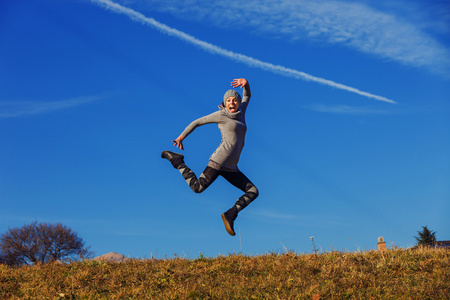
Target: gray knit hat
231	93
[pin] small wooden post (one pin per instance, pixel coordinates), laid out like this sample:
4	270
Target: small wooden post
381	244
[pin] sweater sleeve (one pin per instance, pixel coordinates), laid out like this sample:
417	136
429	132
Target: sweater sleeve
211	118
246	94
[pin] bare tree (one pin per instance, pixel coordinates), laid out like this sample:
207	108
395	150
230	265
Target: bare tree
40	243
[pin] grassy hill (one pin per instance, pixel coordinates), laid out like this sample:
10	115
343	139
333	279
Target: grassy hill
394	274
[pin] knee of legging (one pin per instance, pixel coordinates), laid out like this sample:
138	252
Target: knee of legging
198	189
253	189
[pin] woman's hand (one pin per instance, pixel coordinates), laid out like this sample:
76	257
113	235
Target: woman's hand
179	142
241	82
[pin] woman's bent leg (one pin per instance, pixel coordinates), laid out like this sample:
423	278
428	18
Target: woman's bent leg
198	185
239	180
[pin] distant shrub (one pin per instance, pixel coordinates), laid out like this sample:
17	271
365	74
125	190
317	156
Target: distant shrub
41	243
426	237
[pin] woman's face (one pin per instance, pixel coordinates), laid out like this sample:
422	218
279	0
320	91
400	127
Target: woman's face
232	104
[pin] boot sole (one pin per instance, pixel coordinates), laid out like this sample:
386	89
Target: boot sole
170	153
227	226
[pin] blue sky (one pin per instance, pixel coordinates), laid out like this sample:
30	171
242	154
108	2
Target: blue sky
348	126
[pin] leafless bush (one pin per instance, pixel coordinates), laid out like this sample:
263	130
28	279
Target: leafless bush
41	243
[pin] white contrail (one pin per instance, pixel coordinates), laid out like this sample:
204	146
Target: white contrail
253	62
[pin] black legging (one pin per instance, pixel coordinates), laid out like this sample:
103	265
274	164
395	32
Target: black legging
238	179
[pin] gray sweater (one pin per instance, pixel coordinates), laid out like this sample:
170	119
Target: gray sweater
233	129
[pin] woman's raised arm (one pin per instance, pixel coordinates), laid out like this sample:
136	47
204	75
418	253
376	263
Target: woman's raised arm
242	83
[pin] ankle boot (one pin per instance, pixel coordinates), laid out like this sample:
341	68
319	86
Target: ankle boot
175	158
228	218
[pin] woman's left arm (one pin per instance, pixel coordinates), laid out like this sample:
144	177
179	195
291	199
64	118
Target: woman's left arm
243	83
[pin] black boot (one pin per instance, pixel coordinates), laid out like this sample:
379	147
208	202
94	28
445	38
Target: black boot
228	220
175	158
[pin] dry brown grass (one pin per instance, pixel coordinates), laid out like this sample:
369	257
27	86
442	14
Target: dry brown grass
394	274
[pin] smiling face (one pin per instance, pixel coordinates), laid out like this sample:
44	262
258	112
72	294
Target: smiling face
232	104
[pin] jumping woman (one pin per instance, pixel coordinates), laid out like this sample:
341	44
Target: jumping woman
231	122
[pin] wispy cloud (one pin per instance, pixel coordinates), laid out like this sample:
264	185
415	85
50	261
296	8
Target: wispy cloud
347	110
274	215
385	33
12	109
250	61
309	220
